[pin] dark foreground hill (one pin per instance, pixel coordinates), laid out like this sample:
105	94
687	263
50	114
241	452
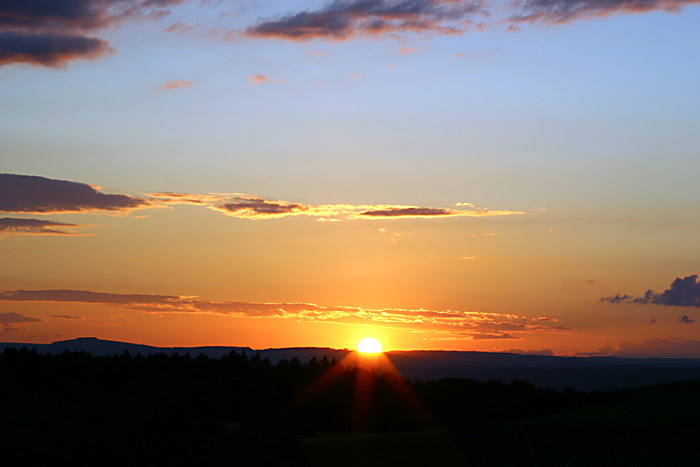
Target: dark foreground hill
77	409
590	373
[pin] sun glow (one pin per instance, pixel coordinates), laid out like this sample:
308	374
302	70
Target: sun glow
369	345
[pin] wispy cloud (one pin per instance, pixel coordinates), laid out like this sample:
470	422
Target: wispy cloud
459	324
344	19
20	226
246	206
177	84
181	28
340	20
258	80
408	50
563	11
30	194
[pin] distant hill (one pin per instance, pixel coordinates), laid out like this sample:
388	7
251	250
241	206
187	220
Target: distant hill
581	373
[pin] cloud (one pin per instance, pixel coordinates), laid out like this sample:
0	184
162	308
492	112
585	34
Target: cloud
417	212
408	50
356	76
39	195
48	49
177	84
340	20
458	324
52	33
257	80
69	317
8	320
181	28
685	320
9	225
682	292
344	19
246	206
82	296
564	11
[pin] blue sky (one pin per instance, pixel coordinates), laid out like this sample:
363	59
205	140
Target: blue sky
588	126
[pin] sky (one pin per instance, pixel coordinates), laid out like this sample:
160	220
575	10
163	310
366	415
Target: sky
438	174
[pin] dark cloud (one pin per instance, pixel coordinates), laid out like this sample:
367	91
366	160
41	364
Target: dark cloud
686	320
7	320
40	195
409	212
69	317
48	49
82	296
493	336
683	292
9	225
342	19
51	33
563	11
261	207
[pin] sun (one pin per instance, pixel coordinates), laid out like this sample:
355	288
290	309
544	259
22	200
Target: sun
369	345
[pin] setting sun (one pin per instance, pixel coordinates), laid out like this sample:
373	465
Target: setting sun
369	345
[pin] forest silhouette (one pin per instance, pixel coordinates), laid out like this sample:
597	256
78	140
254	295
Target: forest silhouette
243	410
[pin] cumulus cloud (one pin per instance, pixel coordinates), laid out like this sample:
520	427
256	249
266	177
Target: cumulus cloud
682	292
563	11
52	33
344	19
9	225
246	206
30	194
457	324
48	49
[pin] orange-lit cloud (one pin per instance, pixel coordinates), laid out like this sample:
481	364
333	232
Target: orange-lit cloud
20	226
253	207
257	80
408	50
177	84
454	324
30	194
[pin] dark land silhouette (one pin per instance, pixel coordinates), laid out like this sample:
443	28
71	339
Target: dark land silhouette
585	374
242	409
